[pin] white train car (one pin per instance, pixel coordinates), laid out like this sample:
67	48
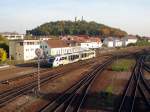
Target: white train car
71	58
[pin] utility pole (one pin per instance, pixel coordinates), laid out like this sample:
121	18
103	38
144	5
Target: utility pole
39	53
39	74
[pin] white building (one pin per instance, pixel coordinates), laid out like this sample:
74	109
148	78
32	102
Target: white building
130	39
23	49
119	42
12	36
110	42
53	47
91	45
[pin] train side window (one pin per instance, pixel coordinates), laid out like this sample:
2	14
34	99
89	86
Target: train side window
72	57
65	58
69	57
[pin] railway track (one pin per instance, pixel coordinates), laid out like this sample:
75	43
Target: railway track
147	67
136	91
73	98
11	94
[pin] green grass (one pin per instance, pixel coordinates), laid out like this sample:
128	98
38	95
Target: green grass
122	65
109	89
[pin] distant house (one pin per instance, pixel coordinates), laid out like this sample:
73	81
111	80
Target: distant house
23	49
84	41
12	36
91	43
53	47
147	38
113	42
119	42
130	39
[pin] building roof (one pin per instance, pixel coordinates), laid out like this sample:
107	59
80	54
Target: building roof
131	37
25	40
56	43
10	33
81	39
114	38
110	38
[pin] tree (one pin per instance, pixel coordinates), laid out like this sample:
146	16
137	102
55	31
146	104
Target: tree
3	40
4	43
75	28
3	55
105	31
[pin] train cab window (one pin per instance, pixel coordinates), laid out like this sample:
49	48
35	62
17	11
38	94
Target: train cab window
63	58
51	59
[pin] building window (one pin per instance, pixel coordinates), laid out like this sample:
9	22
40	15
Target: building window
21	43
45	46
32	49
40	46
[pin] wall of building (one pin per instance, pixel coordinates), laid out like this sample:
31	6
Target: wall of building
118	43
91	45
14	37
29	49
110	44
15	50
23	49
19	55
131	41
48	51
12	49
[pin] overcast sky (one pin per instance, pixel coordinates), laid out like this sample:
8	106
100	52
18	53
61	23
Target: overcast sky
132	16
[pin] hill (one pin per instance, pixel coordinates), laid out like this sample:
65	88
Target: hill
76	28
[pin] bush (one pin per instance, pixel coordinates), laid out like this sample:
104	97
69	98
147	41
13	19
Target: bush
131	44
5	47
143	42
118	47
3	55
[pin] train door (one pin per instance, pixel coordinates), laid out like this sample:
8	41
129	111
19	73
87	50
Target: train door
56	62
63	60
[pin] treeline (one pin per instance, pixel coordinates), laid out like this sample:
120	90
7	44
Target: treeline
75	28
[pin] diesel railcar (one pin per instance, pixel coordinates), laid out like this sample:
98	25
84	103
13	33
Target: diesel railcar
70	58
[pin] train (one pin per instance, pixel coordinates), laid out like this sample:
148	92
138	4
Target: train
55	61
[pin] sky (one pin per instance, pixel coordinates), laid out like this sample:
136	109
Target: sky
132	16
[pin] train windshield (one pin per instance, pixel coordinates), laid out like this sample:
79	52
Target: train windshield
51	59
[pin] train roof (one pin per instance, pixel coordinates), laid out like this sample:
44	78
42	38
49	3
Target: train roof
72	53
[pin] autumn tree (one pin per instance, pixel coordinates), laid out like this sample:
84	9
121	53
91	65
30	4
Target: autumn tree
75	28
3	55
4	43
105	31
